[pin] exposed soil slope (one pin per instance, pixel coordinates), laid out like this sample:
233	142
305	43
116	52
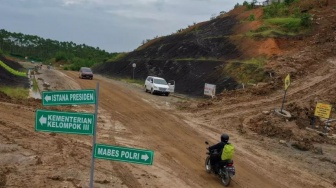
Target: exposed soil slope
183	56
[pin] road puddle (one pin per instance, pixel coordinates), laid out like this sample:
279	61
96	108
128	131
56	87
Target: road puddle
34	94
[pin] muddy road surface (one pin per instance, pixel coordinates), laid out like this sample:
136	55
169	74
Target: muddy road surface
127	117
138	119
130	117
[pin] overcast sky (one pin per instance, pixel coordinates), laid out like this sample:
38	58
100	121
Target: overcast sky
112	25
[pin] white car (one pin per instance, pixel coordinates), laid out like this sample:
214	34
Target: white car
158	85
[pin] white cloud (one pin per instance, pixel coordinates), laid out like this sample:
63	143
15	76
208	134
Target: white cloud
72	2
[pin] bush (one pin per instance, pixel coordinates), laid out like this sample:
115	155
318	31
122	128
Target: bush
251	17
247	71
276	10
306	20
251	5
288	2
77	63
61	56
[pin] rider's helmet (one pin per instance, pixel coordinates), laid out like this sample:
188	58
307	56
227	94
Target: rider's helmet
225	138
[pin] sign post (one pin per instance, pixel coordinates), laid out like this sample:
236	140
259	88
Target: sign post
66	122
124	154
287	83
86	124
323	110
94	137
210	90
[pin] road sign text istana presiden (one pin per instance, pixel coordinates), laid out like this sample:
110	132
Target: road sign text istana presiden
72	97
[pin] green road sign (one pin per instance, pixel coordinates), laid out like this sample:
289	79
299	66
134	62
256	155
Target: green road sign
124	154
64	122
67	97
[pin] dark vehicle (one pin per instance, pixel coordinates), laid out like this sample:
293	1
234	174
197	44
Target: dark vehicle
85	72
226	168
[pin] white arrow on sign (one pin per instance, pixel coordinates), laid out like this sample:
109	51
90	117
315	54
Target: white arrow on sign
144	157
47	98
43	120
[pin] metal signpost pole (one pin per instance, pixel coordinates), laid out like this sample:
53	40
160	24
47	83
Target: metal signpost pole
94	136
133	65
287	83
283	101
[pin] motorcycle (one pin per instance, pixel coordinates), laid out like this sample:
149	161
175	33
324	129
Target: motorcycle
226	169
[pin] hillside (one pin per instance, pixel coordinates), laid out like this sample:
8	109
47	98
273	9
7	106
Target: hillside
35	48
232	49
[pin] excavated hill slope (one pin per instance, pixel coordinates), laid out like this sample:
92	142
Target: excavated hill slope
202	53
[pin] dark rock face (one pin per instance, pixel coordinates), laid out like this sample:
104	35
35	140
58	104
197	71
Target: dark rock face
191	58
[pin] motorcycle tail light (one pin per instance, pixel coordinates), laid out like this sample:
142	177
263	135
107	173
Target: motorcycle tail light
230	164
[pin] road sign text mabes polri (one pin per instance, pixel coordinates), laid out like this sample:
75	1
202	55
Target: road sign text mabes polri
71	97
117	153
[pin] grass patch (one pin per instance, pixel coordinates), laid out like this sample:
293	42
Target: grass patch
273	27
133	81
35	85
270	33
12	71
117	57
286	24
19	93
148	43
251	17
248	71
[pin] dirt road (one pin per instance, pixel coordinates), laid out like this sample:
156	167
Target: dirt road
138	119
130	117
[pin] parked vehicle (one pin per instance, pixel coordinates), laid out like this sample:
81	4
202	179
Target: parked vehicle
158	85
85	72
226	170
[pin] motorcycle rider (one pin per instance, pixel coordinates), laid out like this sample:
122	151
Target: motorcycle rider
215	160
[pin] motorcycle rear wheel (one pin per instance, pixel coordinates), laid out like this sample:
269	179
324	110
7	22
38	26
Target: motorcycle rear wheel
225	177
207	165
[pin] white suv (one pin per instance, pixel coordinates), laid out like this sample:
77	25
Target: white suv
158	85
